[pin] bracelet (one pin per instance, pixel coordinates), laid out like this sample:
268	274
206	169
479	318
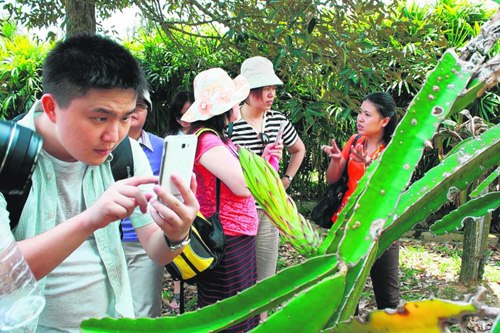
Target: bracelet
287	176
178	245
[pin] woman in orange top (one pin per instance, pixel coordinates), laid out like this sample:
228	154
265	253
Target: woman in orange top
376	122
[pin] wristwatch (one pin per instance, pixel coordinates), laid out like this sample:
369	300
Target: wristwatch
179	245
287	176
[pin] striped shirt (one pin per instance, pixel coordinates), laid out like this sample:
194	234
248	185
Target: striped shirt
244	135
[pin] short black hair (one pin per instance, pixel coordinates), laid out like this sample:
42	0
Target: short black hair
83	62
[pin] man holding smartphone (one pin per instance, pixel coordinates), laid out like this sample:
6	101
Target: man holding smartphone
146	276
68	230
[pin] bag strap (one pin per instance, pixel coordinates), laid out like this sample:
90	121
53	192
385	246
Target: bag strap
354	144
122	166
217	193
181	298
344	174
198	133
230	129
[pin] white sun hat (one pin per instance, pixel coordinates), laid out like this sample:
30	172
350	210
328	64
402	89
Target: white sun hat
259	72
215	93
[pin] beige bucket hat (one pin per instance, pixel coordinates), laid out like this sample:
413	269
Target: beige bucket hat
259	72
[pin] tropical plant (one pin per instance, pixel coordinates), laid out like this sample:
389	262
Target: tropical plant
329	54
322	292
21	60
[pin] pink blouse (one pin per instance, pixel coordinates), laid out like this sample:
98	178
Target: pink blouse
238	215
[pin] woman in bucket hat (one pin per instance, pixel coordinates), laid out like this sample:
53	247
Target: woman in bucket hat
217	99
257	130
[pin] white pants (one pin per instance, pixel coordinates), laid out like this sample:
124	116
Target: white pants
267	244
146	280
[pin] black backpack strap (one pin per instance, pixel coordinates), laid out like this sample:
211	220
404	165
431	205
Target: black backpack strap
15	202
356	139
15	205
122	164
353	145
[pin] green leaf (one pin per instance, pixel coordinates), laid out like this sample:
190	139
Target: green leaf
484	184
309	311
463	165
474	208
496	325
250	302
355	284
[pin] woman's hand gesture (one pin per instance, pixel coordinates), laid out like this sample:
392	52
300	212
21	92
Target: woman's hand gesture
359	154
332	151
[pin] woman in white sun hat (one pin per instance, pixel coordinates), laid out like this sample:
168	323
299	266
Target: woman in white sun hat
217	99
257	130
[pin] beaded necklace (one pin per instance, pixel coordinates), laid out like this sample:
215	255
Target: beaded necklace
377	151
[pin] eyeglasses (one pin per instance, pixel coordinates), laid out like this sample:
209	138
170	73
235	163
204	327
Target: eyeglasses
264	138
141	107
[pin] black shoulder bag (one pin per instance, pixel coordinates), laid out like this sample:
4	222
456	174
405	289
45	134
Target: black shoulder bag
323	212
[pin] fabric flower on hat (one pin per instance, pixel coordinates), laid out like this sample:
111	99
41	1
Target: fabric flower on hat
205	107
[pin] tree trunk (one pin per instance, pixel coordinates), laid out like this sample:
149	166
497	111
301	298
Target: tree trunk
474	250
80	17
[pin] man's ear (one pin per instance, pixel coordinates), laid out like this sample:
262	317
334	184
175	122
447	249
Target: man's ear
49	106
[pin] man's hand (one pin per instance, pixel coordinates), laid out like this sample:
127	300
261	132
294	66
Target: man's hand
172	215
119	201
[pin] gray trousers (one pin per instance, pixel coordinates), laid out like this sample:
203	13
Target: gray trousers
146	280
267	243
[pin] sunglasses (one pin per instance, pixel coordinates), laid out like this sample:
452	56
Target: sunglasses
264	138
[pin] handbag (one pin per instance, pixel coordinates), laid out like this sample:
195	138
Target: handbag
205	250
323	212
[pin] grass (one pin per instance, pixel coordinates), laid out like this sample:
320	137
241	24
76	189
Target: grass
432	269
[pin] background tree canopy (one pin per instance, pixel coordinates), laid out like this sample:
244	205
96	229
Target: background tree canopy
329	54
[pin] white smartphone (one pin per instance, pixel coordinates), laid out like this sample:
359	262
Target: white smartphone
177	158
